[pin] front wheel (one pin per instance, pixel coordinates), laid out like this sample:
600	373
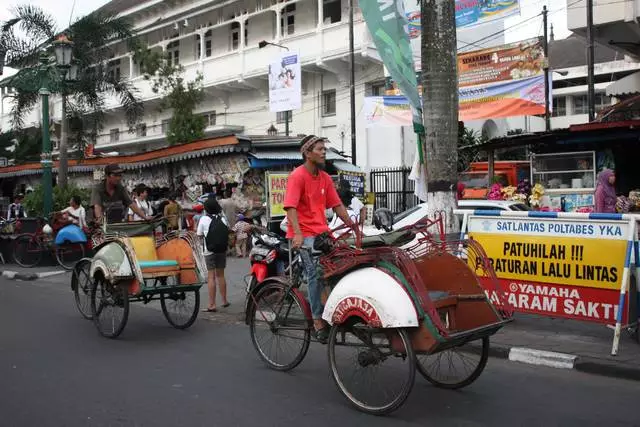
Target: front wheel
180	308
69	254
280	330
109	307
373	368
27	250
456	367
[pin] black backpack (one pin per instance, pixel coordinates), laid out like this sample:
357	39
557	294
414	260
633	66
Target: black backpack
217	239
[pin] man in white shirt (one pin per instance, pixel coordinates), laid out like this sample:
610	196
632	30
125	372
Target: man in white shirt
142	193
76	213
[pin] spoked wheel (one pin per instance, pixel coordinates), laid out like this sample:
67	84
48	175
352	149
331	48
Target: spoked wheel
180	308
456	367
81	285
109	307
27	251
69	254
280	330
373	368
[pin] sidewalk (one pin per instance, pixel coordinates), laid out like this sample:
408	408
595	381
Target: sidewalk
587	346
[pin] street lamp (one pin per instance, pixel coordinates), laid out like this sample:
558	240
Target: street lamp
263	44
63	48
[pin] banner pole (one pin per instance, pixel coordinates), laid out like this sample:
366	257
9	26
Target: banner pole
624	285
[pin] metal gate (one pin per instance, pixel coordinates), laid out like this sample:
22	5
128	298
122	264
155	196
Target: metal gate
393	189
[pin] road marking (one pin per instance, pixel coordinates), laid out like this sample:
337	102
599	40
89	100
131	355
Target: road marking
542	358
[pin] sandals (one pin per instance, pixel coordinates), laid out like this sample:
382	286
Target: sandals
322	335
210	310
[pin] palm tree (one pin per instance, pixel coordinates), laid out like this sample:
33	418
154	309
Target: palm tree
440	106
94	38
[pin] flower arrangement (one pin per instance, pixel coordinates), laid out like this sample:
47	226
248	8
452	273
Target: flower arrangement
536	196
495	192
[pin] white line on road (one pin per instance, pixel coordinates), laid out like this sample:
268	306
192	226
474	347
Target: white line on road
542	358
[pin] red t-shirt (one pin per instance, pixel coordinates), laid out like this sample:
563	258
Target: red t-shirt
310	196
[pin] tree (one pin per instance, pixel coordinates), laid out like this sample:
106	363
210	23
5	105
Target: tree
468	140
178	95
28	146
93	36
7	141
440	106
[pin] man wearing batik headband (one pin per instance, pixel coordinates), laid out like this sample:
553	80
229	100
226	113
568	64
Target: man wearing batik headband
310	191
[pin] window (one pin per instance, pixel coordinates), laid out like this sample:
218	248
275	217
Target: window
288	19
602	101
559	106
376	88
210	118
235	35
580	104
329	103
164	127
207	45
332	11
141	130
113	70
173	53
114	135
281	116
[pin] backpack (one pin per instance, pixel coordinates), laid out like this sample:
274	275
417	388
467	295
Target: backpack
217	239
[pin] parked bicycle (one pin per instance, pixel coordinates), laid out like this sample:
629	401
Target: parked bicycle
67	241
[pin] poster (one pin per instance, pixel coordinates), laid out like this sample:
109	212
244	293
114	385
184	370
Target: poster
356	182
276	183
285	86
562	268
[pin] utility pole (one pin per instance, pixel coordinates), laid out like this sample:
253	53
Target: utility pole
352	84
547	94
591	96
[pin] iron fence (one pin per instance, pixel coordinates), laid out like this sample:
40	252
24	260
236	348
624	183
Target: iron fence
393	189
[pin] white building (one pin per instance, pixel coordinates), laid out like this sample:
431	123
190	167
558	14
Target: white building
220	40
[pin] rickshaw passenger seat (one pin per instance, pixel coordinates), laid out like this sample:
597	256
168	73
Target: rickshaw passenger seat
394	238
147	257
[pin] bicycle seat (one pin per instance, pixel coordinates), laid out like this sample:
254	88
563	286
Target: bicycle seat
394	238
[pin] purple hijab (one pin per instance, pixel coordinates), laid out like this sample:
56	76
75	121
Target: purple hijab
605	197
603	180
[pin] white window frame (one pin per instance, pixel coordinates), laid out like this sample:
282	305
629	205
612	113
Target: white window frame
114	135
286	29
173	53
326	96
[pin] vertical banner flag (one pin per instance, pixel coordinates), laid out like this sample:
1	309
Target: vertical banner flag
387	22
285	88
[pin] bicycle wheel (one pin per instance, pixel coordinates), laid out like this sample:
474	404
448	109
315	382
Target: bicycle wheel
280	330
456	367
27	250
69	254
373	368
109	307
81	285
180	308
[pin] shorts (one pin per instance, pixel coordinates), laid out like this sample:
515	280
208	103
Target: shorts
216	261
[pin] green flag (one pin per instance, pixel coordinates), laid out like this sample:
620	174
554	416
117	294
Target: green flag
387	23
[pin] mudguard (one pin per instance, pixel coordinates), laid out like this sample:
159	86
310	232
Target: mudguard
112	261
374	296
70	234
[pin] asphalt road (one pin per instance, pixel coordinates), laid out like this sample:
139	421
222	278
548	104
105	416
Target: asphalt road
56	371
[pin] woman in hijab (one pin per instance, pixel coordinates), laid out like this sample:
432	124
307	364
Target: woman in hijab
605	197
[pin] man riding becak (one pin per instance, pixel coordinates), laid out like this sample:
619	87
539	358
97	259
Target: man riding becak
111	197
310	191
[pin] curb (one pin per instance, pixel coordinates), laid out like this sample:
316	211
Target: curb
588	365
14	275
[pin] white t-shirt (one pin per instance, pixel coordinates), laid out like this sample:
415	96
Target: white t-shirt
356	205
337	222
145	206
79	213
203	230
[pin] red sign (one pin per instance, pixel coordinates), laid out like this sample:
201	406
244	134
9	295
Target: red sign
355	306
572	302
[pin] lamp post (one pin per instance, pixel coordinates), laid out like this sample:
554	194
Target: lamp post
263	44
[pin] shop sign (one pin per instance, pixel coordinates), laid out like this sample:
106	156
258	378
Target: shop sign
356	182
570	268
276	183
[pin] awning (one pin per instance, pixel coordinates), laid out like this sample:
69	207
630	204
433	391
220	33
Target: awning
629	85
268	158
345	166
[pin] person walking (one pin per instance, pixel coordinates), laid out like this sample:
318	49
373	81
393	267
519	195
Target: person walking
213	229
172	211
242	229
605	197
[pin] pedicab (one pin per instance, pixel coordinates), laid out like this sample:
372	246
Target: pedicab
391	311
132	264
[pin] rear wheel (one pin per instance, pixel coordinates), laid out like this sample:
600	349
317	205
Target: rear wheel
109	307
180	308
373	368
27	250
456	367
81	285
69	254
280	330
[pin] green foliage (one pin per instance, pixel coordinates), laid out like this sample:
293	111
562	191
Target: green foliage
34	201
467	151
178	95
28	146
7	139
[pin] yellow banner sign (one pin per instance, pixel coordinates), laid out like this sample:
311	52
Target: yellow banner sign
276	187
573	261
